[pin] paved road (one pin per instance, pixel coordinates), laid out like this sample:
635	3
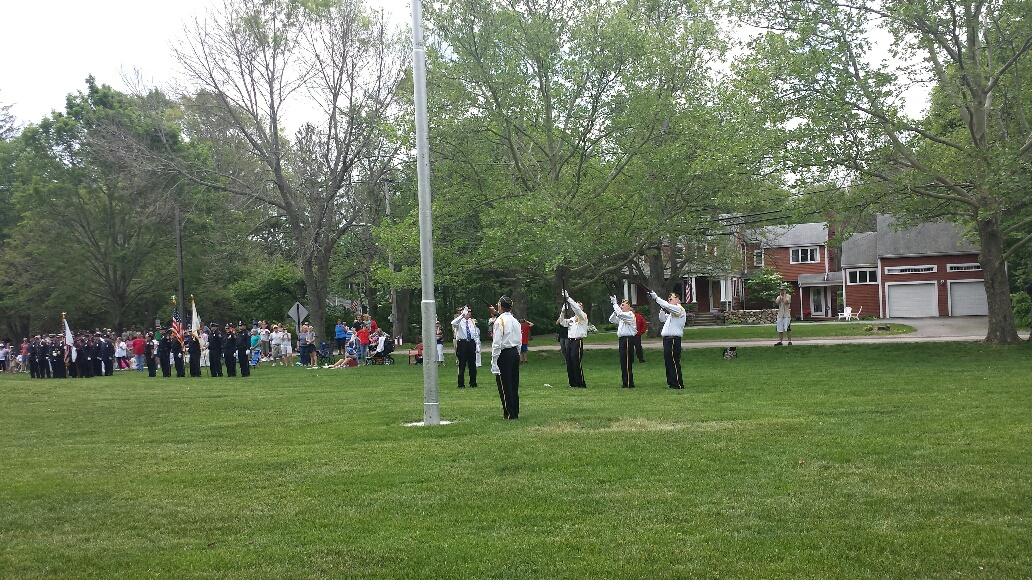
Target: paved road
939	329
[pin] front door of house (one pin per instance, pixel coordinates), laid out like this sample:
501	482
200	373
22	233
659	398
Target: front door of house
818	299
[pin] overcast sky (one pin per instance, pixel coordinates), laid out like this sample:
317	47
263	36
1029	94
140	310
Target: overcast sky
49	48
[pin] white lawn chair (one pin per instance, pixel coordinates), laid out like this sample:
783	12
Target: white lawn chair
846	313
856	315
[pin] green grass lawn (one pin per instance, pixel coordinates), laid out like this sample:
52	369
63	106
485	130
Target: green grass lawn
872	461
767	332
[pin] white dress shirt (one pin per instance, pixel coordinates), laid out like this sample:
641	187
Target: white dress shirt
506	334
672	316
625	323
578	324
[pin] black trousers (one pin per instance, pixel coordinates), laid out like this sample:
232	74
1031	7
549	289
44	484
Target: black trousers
627	361
574	368
466	352
166	365
215	360
230	362
60	370
195	365
85	365
180	369
244	363
152	366
509	382
636	343
672	357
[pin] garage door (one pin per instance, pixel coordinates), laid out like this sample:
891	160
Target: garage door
912	300
968	299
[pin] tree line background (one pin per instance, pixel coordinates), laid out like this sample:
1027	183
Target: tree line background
571	143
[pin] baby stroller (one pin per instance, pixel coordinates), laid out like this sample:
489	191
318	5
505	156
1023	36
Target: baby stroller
383	353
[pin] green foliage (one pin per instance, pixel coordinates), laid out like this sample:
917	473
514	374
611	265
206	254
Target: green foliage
766	283
1022	307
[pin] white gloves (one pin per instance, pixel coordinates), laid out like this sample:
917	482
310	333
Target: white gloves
613	300
495	370
565	294
653	294
465	310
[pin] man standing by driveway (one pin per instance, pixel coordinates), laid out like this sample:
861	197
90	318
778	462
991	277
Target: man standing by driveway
784	322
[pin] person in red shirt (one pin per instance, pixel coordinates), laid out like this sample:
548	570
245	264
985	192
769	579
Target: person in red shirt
138	345
643	327
363	342
525	326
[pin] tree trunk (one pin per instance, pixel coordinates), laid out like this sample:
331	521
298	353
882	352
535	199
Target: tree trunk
370	299
316	282
658	283
519	298
1002	329
403	299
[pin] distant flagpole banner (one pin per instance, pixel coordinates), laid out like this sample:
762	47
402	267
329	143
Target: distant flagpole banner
195	320
69	340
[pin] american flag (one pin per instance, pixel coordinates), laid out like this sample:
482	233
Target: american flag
177	325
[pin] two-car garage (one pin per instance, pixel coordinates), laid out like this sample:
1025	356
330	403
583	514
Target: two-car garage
921	299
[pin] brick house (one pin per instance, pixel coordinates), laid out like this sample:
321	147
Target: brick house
924	271
801	254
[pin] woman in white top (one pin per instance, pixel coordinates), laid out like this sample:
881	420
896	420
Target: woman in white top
286	347
120	354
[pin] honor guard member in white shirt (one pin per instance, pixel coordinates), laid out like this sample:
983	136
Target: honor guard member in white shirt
672	315
467	335
505	358
626	330
578	329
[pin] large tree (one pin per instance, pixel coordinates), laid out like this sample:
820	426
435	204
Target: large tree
966	159
539	109
329	70
94	221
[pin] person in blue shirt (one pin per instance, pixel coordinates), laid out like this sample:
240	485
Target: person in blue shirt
341	335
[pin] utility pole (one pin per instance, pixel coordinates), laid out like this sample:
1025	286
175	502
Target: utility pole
179	257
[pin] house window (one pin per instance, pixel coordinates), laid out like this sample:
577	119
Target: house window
911	270
962	267
757	258
805	255
863	276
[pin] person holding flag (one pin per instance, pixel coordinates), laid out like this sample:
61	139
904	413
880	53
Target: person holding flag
177	339
69	346
194	346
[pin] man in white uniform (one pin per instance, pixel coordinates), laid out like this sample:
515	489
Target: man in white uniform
672	315
578	329
505	358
